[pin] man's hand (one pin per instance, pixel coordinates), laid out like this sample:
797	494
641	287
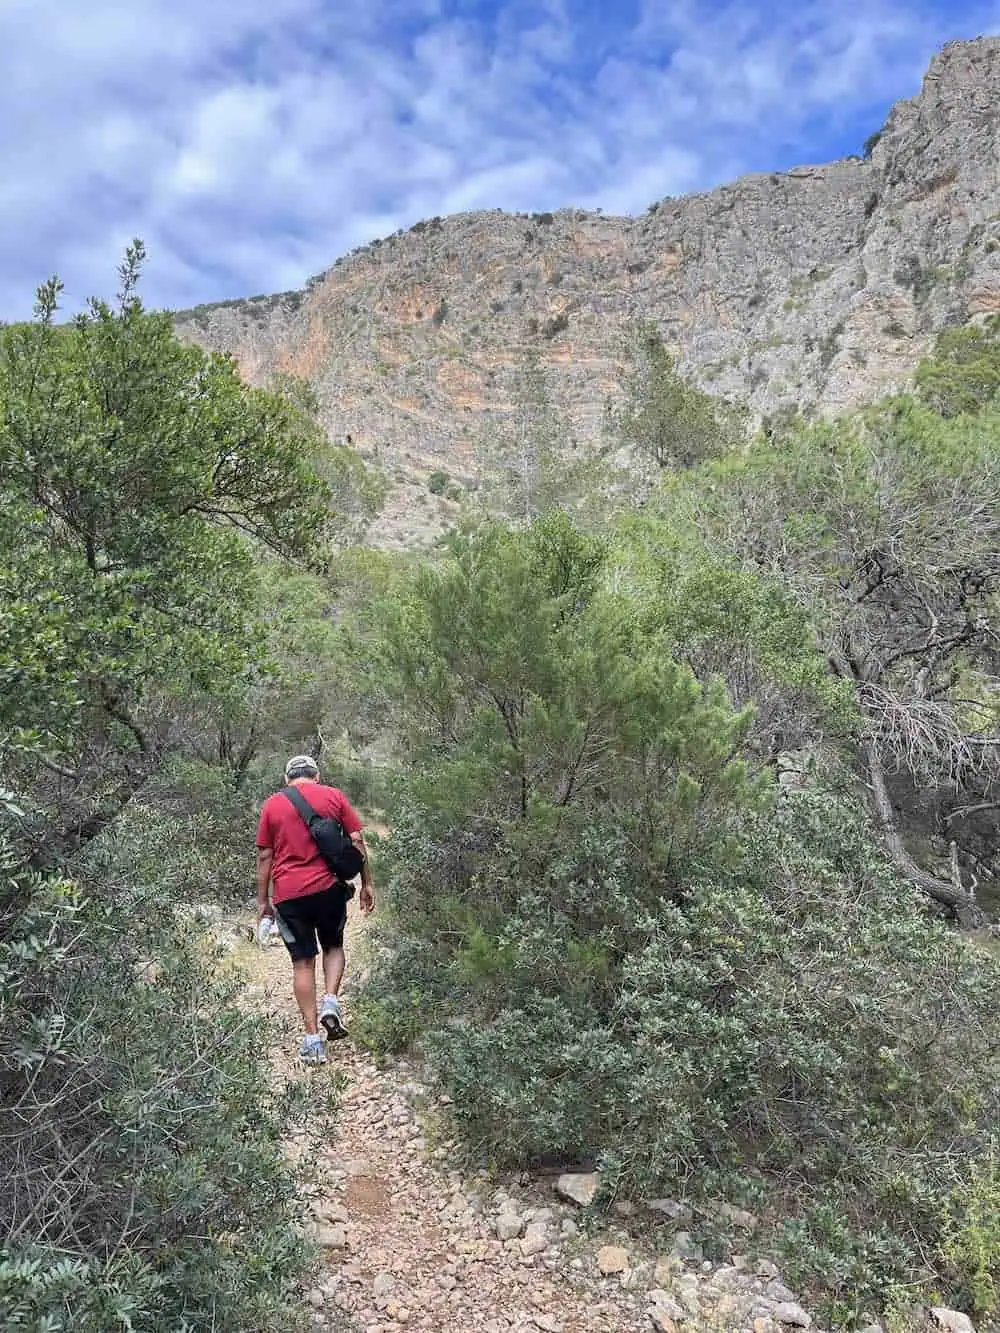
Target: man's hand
366	898
265	859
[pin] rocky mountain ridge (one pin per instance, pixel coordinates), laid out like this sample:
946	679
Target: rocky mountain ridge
821	286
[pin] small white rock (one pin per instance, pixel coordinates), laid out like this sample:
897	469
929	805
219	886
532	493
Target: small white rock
612	1259
667	1306
332	1237
535	1240
661	1321
578	1187
547	1323
778	1292
509	1226
952	1321
787	1312
679	1212
685	1247
666	1270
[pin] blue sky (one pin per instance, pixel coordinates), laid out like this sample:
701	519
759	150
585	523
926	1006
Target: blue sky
250	142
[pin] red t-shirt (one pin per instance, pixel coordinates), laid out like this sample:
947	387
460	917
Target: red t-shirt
298	868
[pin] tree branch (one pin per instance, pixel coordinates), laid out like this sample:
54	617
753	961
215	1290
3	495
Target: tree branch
116	709
941	890
59	769
964	811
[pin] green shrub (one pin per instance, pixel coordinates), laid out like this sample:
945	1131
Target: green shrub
788	1023
437	483
144	1182
963	376
666	419
971	1241
364	781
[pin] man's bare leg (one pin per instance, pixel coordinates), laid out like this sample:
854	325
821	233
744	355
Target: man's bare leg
304	986
331	1015
334	961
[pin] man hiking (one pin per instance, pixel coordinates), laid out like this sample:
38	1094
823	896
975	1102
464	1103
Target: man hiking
307	899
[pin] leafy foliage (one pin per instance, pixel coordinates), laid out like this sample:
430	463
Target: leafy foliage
729	621
144	619
787	1026
964	373
884	530
152	496
144	1185
524	685
666	420
719	995
971	1240
135	469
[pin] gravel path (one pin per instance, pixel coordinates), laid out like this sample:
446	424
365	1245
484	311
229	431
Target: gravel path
407	1241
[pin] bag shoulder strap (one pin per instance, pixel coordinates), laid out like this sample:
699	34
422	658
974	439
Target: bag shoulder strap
306	811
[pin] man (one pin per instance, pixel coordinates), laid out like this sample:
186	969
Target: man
309	902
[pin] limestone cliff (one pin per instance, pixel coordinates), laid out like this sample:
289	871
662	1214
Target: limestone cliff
822	285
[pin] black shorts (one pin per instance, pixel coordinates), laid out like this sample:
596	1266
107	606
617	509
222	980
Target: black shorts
322	916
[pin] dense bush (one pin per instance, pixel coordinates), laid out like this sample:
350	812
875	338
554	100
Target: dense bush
144	1183
666	420
790	1029
963	376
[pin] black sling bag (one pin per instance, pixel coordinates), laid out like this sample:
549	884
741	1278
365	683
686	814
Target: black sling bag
334	845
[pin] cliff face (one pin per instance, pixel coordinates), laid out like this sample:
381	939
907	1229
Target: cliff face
822	285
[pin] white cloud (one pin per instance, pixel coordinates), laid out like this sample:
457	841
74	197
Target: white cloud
249	142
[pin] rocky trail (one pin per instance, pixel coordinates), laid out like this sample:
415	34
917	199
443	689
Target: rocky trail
409	1241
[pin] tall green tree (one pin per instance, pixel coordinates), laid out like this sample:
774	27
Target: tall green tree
529	694
142	481
885	529
666	420
531	458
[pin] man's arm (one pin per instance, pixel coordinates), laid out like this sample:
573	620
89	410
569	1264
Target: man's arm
366	898
265	859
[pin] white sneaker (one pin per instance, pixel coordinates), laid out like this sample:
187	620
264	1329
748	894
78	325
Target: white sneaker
332	1018
313	1051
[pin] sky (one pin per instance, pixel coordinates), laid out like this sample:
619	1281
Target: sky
249	143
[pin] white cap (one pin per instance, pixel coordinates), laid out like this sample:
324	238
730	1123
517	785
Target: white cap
301	766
